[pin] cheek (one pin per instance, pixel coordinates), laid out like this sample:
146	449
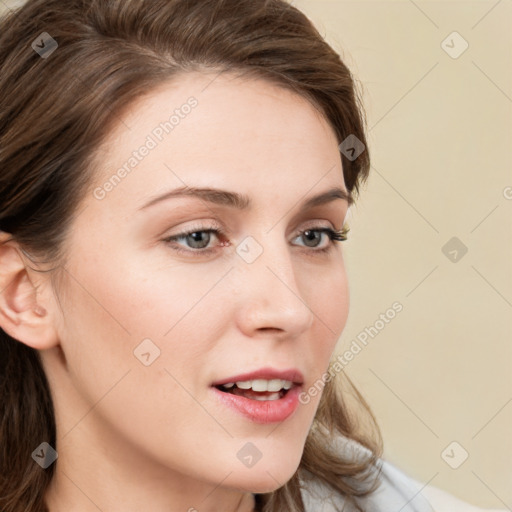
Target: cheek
107	316
329	302
120	317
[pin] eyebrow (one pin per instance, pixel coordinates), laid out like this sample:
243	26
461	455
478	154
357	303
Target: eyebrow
242	201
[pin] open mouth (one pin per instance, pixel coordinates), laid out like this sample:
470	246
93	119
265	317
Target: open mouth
265	399
257	390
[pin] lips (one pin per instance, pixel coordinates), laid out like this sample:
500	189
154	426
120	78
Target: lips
260	406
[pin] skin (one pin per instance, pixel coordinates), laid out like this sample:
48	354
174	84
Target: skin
132	437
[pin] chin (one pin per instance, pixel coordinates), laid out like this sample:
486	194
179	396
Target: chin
265	478
267	485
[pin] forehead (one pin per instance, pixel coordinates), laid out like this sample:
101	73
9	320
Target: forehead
206	129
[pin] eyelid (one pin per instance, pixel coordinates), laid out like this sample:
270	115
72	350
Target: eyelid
212	225
316	223
201	226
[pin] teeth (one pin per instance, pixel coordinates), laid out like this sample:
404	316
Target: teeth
261	385
265	385
273	396
244	384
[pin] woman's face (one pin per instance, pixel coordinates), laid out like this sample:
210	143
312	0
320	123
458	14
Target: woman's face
149	324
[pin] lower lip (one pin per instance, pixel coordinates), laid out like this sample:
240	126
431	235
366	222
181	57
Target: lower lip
262	411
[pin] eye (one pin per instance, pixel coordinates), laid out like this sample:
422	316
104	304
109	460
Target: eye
313	237
197	239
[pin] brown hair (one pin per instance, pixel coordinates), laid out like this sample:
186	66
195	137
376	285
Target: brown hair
56	111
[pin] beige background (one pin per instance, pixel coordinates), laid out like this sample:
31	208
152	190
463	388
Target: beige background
440	138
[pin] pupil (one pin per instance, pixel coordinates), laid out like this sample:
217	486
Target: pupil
196	239
315	235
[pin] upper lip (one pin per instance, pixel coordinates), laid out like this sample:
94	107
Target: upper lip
293	375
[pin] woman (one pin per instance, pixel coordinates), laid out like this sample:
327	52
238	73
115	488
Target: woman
175	181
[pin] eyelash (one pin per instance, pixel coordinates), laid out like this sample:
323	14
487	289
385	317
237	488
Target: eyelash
333	235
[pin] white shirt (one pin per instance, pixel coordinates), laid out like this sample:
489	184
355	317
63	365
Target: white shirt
396	491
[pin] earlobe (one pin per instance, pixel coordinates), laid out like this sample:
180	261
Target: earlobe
22	317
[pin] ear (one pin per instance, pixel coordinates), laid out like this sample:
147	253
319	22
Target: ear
23	315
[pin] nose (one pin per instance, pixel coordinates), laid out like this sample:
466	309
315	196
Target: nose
270	299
